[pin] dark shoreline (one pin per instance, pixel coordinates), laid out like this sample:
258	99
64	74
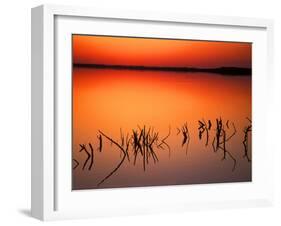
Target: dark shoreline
218	70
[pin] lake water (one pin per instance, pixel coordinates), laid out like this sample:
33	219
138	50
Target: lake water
111	101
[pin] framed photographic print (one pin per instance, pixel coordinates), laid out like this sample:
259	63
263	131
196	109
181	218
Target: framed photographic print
139	112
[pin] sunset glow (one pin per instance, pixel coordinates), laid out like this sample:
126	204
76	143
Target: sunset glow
159	52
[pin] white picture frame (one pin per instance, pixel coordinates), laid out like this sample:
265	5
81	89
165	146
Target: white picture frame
52	197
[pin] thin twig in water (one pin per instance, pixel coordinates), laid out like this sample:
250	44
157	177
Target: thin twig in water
221	139
76	162
204	128
128	140
100	143
234	132
186	136
218	135
83	148
245	142
120	163
92	156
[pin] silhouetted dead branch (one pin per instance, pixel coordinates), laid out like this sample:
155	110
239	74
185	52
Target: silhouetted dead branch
92	157
249	119
225	152
209	124
216	141
120	163
246	131
76	164
186	136
220	140
203	128
100	143
83	148
234	132
128	140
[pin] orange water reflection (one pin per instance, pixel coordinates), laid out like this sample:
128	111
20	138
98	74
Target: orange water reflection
107	100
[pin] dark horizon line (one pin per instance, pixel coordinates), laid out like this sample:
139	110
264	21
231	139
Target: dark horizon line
218	70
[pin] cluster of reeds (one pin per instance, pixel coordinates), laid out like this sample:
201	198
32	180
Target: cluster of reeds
143	142
221	138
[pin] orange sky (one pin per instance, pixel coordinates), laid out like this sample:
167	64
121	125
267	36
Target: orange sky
159	52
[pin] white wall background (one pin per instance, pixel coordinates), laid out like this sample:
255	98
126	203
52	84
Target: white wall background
15	111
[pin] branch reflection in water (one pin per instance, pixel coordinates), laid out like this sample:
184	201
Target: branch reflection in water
145	142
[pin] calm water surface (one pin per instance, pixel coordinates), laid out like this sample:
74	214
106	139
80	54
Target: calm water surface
110	100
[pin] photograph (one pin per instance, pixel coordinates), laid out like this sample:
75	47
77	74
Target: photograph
152	111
